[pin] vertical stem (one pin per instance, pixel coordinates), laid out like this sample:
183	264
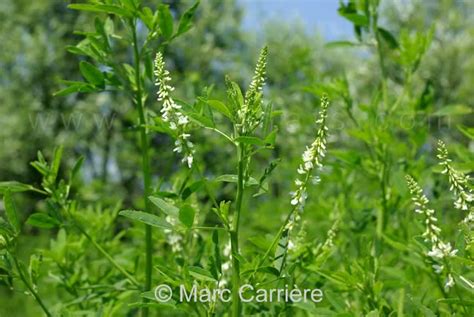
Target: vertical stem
30	288
234	235
145	164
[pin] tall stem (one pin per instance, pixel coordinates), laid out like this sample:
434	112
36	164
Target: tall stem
30	288
234	235
145	164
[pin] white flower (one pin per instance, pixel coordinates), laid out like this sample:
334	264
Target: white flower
459	183
173	239
171	112
449	282
291	245
226	266
311	158
438	268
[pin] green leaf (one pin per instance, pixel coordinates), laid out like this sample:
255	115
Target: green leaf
201	274
15	187
185	21
357	19
270	139
56	163
281	250
165	21
75	87
388	38
76	167
91	73
192	188
453	110
10	210
186	215
341	44
101	8
146	218
250	140
146	15
467	131
164	206
200	120
269	270
42	220
221	107
232	178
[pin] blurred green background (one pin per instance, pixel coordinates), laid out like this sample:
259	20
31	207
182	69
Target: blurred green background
225	39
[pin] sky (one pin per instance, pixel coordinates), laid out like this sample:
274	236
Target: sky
318	15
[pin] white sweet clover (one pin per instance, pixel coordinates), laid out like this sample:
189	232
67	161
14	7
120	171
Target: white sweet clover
171	112
459	183
251	111
440	251
311	159
331	234
175	240
449	282
226	265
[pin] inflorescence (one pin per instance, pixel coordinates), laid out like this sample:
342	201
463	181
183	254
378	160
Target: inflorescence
459	183
312	158
439	250
172	113
251	110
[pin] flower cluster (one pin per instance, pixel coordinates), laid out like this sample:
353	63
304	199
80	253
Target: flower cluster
312	158
251	111
171	112
175	240
458	182
439	250
226	265
331	234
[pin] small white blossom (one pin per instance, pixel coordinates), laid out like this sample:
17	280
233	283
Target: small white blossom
438	268
311	158
171	112
458	181
442	250
449	282
174	239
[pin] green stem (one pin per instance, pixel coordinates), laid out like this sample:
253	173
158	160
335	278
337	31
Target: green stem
234	235
30	288
145	165
108	257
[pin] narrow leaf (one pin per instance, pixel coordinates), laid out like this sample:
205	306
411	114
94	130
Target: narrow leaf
186	215
165	21
221	107
201	274
15	187
42	220
146	218
388	38
10	210
91	73
164	206
250	140
185	22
